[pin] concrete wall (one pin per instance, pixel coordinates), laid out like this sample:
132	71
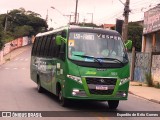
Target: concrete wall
156	68
142	66
14	44
1	57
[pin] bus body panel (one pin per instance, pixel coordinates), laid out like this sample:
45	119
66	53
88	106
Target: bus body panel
85	72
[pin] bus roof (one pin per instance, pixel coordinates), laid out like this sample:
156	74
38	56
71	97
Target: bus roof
78	28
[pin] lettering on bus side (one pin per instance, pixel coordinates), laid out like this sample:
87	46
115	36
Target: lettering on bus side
45	66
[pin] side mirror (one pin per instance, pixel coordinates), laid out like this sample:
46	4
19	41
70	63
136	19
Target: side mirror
58	40
128	44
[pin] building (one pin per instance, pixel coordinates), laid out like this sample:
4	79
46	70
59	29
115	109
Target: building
109	26
151	30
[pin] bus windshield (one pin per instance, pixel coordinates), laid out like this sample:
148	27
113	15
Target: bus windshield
92	47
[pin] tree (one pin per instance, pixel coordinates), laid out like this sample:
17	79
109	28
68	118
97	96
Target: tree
21	31
1	37
21	23
135	32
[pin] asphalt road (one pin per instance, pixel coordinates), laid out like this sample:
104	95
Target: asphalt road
19	93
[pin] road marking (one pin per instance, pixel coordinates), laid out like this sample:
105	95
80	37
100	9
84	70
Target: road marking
21	59
26	59
23	68
6	68
15	68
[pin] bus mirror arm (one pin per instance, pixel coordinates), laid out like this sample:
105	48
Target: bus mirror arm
128	44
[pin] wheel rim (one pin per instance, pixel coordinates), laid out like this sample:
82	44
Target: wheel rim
60	96
38	85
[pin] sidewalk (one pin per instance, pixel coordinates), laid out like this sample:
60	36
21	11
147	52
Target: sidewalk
149	93
15	53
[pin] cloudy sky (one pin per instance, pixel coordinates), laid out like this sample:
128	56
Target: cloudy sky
104	11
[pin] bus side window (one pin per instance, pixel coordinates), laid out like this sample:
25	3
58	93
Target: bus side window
43	46
51	52
39	46
47	46
34	47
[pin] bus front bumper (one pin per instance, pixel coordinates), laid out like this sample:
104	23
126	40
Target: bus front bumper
120	92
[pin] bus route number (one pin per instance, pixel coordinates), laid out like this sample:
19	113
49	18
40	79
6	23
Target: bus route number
84	36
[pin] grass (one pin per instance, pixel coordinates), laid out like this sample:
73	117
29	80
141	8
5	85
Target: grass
149	80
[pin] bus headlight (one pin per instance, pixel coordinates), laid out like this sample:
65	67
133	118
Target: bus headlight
75	78
122	81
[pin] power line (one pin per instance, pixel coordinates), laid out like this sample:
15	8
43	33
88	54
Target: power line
106	18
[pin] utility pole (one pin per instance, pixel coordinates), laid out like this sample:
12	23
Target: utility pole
6	23
126	17
92	17
70	16
75	20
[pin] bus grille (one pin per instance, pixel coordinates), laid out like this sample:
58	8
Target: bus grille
93	82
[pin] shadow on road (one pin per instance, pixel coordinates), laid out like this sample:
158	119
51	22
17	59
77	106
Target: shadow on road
79	108
87	105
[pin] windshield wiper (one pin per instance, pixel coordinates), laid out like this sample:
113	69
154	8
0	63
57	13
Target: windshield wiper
114	59
85	56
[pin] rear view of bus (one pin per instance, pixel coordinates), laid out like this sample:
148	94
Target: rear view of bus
95	66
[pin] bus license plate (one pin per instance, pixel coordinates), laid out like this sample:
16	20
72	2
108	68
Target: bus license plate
101	87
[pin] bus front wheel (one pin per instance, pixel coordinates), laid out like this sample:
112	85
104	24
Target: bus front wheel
63	101
113	104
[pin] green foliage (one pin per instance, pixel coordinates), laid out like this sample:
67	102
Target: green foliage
8	36
157	85
21	31
1	37
149	80
1	43
135	32
21	23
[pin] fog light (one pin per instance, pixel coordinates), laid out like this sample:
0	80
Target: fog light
75	91
124	94
121	94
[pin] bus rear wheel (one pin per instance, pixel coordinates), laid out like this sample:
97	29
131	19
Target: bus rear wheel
63	101
113	104
39	87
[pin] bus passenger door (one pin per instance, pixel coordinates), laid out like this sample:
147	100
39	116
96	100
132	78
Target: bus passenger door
60	64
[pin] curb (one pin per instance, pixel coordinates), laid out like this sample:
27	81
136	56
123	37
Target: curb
152	100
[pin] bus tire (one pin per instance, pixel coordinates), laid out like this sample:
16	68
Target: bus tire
113	104
63	101
39	87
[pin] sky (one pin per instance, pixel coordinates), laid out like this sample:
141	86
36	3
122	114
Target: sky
104	11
